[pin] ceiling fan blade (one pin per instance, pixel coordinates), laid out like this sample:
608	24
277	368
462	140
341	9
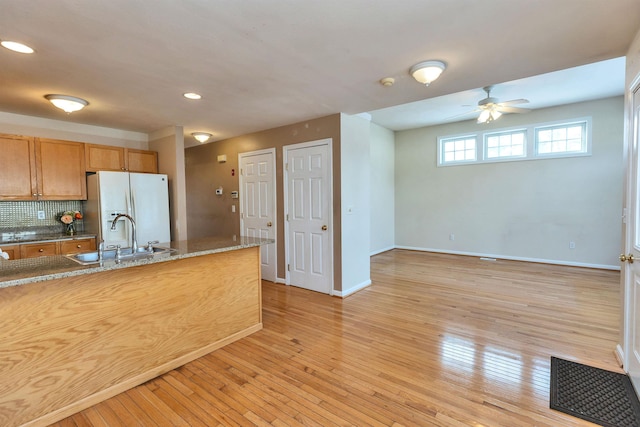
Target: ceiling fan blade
507	109
461	115
514	102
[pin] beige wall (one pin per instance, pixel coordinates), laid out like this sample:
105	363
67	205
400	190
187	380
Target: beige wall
524	209
210	215
382	189
169	143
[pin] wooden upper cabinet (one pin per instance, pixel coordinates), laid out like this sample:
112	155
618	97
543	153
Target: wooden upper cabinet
17	168
60	170
103	158
41	169
109	158
142	161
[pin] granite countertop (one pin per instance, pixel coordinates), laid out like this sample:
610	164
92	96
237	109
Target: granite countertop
23	271
18	238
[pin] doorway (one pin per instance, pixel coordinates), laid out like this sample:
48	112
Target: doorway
257	204
308	209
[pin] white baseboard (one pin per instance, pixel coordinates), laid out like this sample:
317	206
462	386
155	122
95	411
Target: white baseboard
281	280
514	258
352	290
620	356
376	252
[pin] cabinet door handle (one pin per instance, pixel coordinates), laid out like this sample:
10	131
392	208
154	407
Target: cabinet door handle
78	246
40	250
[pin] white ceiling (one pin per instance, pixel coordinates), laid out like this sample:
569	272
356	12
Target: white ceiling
584	83
265	63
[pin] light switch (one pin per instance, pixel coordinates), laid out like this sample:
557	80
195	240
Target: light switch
233	208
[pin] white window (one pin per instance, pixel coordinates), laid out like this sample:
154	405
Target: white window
568	138
458	149
505	144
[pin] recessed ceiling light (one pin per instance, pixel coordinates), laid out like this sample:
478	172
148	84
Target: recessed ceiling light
192	95
16	47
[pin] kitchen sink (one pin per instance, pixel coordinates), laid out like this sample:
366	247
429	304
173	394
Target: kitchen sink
126	254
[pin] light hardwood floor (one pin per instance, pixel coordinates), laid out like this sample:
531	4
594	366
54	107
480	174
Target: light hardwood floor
436	340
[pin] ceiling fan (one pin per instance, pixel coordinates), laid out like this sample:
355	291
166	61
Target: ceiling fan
491	109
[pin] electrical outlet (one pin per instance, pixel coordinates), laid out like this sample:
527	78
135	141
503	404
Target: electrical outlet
452	236
40	214
572	245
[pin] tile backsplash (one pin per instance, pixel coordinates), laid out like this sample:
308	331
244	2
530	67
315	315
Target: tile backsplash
19	216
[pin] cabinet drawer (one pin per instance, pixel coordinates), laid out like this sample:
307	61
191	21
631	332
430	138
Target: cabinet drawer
38	249
74	246
12	250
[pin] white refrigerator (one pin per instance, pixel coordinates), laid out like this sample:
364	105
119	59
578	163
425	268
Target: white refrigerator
143	196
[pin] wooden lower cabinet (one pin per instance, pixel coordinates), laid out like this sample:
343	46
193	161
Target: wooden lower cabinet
12	250
67	247
33	250
62	247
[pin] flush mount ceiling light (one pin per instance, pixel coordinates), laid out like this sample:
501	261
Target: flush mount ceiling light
426	72
192	95
202	137
16	47
67	103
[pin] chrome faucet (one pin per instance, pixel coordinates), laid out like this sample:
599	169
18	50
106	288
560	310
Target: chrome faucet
134	242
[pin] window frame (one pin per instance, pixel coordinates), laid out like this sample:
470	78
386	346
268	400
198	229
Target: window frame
562	123
531	144
511	131
453	138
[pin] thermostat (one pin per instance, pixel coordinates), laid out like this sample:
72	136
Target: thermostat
219	191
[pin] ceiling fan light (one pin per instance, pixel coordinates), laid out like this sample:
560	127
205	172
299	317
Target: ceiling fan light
495	114
426	72
484	116
68	104
201	137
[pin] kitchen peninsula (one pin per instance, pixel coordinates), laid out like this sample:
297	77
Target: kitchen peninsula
73	335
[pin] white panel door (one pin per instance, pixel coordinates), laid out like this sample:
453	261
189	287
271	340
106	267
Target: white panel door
631	269
257	204
309	217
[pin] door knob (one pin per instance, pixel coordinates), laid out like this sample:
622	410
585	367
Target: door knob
324	228
269	224
629	258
